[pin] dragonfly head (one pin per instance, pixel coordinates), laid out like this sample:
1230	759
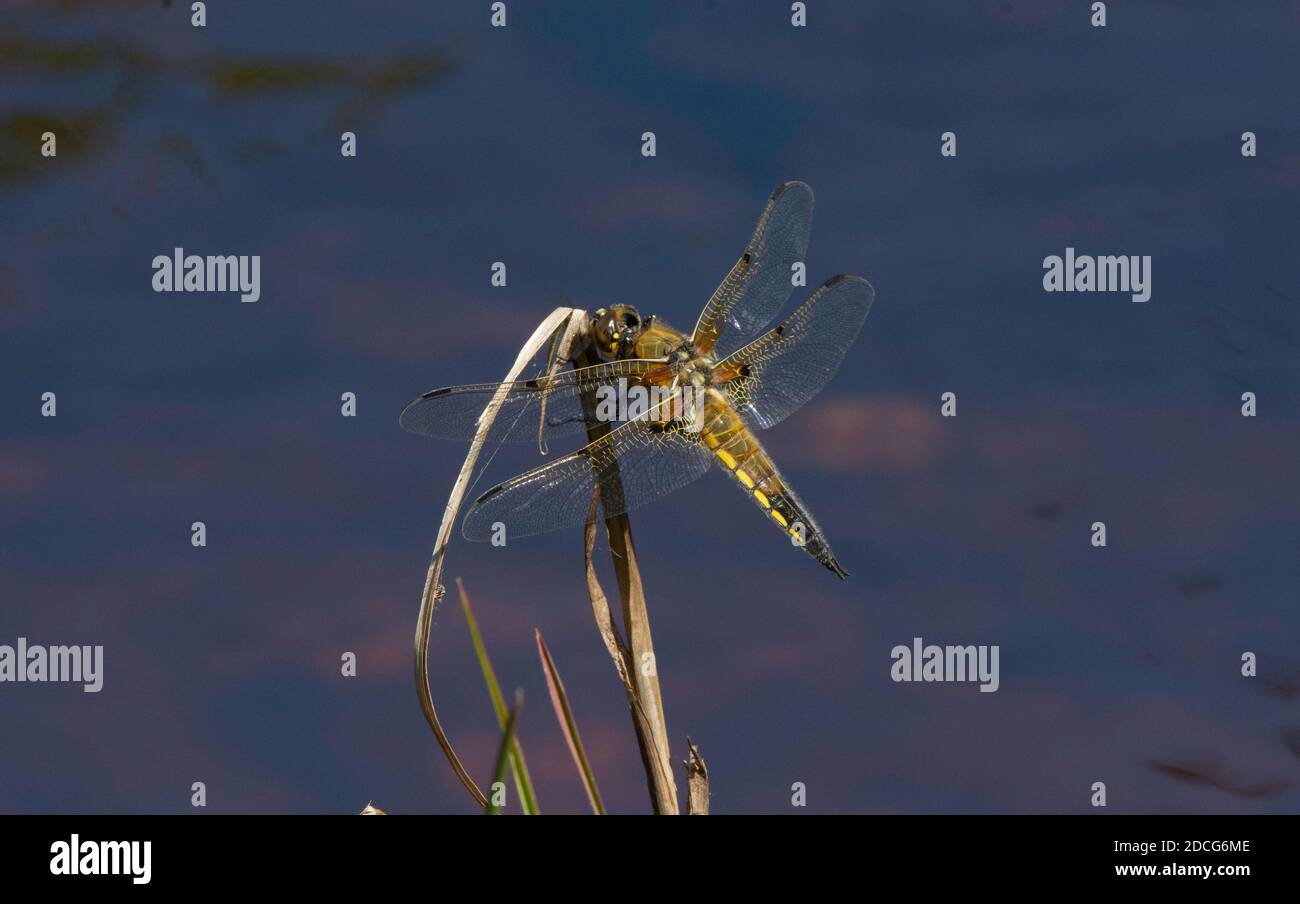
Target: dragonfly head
615	329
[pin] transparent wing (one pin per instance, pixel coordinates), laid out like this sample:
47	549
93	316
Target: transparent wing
778	372
453	412
633	464
759	284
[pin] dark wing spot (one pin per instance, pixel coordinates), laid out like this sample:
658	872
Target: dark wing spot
489	494
434	393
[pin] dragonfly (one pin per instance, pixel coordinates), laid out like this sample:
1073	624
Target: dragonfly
739	377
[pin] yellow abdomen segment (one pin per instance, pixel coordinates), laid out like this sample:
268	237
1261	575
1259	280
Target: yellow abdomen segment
739	454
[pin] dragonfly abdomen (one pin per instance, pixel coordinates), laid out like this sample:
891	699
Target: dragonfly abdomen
739	453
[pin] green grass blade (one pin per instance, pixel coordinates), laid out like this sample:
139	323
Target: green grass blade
503	753
519	768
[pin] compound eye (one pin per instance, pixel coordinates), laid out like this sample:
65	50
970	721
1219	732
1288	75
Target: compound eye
630	321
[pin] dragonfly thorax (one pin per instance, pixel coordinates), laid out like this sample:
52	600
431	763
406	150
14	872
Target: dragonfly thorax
692	369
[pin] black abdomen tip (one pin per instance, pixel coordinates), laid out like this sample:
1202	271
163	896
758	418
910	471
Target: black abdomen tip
834	567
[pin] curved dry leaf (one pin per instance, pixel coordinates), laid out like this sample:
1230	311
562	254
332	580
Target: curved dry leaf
432	581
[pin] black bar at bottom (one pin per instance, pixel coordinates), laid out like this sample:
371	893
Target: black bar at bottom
378	855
